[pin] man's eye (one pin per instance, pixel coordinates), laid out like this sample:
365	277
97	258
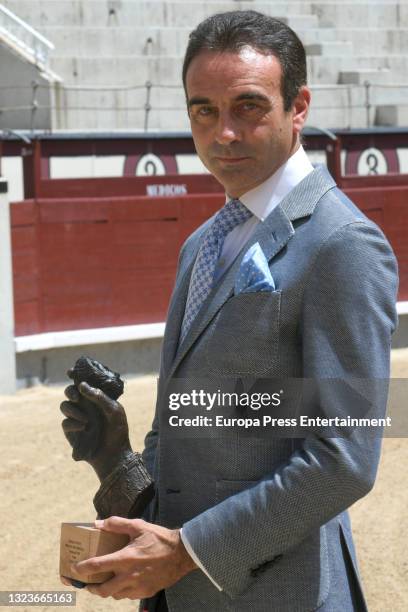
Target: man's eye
249	106
204	111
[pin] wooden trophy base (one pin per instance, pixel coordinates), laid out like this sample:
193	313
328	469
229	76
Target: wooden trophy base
80	541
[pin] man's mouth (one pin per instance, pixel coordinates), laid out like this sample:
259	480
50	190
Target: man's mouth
231	160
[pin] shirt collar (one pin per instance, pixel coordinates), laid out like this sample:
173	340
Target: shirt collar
265	197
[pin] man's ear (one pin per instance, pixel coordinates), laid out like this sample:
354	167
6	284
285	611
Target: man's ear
300	109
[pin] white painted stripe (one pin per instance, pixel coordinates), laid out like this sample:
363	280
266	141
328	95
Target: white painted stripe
78	337
402	308
123	333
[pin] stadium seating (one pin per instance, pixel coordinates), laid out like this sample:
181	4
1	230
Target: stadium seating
107	50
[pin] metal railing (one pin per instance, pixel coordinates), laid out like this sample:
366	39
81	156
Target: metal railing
366	97
20	34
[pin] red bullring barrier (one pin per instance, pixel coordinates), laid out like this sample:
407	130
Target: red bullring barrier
100	252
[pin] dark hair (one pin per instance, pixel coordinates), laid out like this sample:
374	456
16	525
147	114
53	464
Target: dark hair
234	30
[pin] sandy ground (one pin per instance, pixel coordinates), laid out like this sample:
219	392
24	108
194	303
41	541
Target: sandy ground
41	486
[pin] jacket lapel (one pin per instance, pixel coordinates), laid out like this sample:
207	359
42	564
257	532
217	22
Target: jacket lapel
273	234
271	244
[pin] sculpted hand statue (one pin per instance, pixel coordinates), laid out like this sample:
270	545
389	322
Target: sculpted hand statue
97	429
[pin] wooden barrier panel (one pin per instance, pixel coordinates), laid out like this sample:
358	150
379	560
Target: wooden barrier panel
26	267
96	262
101	262
95	252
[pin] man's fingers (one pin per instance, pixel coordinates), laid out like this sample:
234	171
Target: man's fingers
111	587
97	397
65	581
72	393
106	563
70	373
128	593
71	425
117	524
73	412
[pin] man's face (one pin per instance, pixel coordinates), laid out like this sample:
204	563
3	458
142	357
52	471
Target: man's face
240	129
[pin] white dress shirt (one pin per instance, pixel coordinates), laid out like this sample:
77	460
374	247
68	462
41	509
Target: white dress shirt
260	201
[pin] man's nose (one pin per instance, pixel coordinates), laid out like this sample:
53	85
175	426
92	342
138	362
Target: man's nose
227	130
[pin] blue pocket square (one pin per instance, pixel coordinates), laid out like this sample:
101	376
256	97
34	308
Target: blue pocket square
254	274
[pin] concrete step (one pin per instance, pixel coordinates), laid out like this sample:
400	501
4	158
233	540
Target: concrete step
338	118
366	42
296	21
402	115
384	95
79	41
137	69
329	49
359	77
340	106
114	13
354	95
166	98
332	106
386	115
105	41
163	98
370	14
176	120
382	69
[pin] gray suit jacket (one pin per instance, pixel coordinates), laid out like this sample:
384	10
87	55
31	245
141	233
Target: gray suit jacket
267	517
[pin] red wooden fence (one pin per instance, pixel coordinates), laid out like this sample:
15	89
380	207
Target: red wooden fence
99	252
99	262
111	261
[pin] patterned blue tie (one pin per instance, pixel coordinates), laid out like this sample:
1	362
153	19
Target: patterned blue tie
232	214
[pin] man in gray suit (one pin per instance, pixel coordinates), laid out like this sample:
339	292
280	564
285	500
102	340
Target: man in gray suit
288	281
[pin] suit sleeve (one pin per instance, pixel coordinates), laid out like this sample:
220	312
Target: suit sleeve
347	319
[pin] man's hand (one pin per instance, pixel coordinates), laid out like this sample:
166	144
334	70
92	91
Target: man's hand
96	427
154	559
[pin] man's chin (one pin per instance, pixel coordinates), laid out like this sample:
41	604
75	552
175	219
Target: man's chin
234	180
225	172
